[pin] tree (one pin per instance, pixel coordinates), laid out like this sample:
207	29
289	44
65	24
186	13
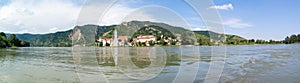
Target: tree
107	44
24	44
2	34
272	42
2	44
251	40
287	40
151	43
13	40
100	44
298	38
293	38
173	42
158	37
261	42
3	40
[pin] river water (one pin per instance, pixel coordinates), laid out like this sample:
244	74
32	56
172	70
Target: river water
198	64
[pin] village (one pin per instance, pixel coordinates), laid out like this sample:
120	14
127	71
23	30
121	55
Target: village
142	40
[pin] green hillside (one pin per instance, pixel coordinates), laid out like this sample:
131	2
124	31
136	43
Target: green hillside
58	39
214	35
11	41
88	34
154	30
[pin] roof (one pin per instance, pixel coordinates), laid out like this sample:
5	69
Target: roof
123	37
106	38
146	37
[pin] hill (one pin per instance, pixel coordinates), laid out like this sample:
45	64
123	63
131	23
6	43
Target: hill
58	39
11	41
87	34
214	35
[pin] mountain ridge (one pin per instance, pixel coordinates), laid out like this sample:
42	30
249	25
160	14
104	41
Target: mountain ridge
64	38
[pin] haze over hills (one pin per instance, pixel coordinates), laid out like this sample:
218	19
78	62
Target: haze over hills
90	33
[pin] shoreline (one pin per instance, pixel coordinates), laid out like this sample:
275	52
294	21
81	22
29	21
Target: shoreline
155	46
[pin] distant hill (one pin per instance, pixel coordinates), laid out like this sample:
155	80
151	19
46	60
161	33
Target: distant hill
58	39
211	34
87	34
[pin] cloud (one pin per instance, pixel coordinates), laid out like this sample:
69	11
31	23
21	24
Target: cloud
236	23
113	16
33	16
223	7
53	29
199	29
121	12
202	28
47	16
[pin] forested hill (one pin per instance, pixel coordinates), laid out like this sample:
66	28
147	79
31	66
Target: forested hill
11	41
62	38
92	32
58	39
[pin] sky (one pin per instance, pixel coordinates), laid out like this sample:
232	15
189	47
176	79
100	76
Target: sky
251	19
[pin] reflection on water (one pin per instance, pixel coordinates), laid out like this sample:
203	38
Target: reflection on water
7	55
105	57
243	64
35	65
139	56
133	64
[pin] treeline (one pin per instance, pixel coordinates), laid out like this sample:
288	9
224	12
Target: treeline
252	41
292	39
11	41
288	40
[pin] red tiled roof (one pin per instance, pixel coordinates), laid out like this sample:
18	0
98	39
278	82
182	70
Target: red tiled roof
146	37
123	37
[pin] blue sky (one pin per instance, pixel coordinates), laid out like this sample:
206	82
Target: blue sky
257	19
271	19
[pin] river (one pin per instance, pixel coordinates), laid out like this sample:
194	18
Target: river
225	64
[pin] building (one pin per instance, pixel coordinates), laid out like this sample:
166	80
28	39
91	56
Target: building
122	41
106	41
144	39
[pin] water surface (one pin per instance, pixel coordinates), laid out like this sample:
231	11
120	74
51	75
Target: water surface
243	64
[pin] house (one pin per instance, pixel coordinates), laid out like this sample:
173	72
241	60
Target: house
106	41
144	39
122	41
